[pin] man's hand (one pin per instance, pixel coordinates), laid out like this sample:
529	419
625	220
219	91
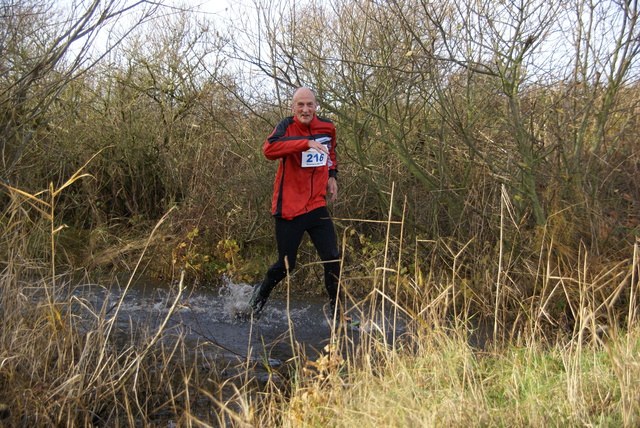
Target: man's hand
313	144
332	189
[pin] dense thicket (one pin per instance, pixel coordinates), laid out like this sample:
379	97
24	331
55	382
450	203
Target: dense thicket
493	129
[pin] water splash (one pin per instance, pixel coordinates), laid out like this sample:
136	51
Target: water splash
236	299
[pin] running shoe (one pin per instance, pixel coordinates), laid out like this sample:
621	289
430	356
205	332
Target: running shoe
257	300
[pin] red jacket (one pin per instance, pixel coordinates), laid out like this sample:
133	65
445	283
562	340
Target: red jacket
298	189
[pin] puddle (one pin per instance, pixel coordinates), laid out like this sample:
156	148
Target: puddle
215	320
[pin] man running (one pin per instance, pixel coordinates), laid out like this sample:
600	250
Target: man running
305	145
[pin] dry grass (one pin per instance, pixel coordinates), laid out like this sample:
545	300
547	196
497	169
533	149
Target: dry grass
455	367
63	361
462	360
434	376
446	383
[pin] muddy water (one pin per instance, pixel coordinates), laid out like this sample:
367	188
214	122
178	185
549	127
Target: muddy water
215	320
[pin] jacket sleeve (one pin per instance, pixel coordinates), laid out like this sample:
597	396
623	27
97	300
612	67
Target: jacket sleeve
278	145
333	159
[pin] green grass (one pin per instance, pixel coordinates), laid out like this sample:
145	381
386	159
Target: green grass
447	383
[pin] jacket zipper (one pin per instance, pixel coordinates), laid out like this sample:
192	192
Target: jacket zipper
313	172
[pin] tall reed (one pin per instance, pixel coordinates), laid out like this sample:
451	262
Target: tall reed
452	366
63	360
429	350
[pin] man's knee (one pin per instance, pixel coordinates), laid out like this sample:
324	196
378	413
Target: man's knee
331	256
277	272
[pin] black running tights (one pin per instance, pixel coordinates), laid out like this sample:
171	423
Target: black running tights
319	226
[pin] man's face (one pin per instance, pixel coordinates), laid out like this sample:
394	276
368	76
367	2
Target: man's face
304	106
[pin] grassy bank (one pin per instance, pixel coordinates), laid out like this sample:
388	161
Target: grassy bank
61	363
443	382
455	368
481	347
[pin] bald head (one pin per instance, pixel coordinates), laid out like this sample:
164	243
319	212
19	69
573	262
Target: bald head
303	91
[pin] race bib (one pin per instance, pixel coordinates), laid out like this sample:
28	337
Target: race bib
313	158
